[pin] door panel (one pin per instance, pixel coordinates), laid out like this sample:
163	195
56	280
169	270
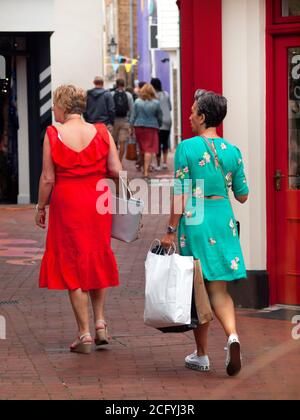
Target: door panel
287	164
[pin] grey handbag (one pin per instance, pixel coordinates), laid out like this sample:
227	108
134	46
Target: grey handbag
127	216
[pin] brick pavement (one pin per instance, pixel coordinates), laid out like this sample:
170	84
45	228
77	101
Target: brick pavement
140	363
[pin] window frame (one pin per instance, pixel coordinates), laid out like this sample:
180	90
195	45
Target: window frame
277	14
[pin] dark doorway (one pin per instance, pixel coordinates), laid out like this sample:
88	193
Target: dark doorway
9	126
36	48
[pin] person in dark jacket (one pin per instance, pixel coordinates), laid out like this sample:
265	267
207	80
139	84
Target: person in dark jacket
100	105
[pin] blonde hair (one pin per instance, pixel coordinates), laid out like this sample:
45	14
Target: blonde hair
147	93
71	99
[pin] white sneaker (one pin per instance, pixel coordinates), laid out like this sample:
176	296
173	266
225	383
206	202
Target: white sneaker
158	168
165	166
234	359
194	362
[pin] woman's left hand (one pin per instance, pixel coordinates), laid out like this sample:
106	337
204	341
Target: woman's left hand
40	218
168	240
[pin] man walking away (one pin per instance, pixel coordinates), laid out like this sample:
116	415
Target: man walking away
100	105
123	102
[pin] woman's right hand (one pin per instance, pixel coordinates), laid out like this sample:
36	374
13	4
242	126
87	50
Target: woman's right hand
168	240
40	218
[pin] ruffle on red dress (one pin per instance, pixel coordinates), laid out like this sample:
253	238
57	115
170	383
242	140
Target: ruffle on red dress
78	250
86	271
66	158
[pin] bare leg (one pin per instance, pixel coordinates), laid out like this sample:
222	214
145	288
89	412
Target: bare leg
122	150
201	336
98	302
80	301
147	162
223	306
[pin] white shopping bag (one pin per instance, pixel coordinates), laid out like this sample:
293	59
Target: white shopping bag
169	289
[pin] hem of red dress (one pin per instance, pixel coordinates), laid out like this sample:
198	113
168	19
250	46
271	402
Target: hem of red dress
62	288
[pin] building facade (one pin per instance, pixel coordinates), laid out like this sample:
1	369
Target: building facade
120	41
159	53
42	45
249	50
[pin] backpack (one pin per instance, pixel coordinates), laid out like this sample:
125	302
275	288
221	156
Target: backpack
121	104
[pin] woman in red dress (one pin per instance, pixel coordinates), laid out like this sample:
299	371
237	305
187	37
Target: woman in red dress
78	255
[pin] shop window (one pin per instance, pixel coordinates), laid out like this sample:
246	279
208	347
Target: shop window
290	8
286	11
294	117
2	68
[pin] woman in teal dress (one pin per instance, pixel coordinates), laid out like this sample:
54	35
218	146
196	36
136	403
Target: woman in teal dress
207	167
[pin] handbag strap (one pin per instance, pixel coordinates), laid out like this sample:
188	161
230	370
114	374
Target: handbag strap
217	162
125	187
219	165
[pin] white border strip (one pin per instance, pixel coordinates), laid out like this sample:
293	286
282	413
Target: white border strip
46	107
44	92
46	73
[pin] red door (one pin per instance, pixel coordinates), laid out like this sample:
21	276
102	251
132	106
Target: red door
287	169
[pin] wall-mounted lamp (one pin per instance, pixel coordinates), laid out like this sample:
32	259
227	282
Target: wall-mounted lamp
112	46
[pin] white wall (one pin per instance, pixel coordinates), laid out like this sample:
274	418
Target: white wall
168	24
26	15
245	87
76	45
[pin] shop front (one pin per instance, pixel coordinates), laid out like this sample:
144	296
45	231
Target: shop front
283	145
25	112
249	50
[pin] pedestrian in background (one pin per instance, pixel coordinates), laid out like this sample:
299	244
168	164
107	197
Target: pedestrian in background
100	105
78	256
165	129
124	104
146	120
214	240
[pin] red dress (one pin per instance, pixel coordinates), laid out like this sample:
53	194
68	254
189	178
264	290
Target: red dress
78	250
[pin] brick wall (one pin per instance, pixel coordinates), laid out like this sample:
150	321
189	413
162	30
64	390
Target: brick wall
124	33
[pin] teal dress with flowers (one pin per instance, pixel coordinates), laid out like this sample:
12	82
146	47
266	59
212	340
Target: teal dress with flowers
208	229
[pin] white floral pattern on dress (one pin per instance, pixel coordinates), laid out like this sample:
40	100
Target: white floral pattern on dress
181	173
198	193
223	146
202	163
235	264
183	241
233	227
212	241
207	157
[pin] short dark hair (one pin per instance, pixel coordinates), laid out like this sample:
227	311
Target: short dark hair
156	83
120	83
212	105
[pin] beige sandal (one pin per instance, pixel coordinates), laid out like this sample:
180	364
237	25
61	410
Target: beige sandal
83	347
101	334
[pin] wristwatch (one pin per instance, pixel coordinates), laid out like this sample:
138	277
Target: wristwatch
171	230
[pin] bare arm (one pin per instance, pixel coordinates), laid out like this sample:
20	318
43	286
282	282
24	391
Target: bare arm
114	165
177	210
47	181
242	198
